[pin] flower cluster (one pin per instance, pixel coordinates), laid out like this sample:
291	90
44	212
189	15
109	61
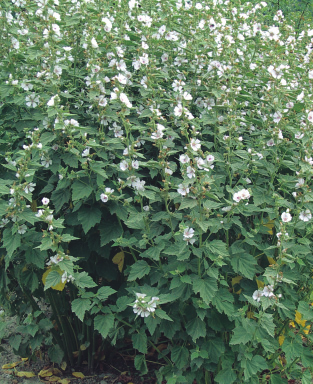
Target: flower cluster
144	305
243	194
267	291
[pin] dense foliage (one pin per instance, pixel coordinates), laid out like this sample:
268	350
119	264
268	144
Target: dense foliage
156	166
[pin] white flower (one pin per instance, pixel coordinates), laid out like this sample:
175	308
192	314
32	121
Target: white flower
183	189
50	103
57	70
270	143
54	260
29	188
300	183
310	117
178	110
123	165
195	144
184	159
305	215
268	291
45	201
191	172
146	208
135	164
299	135
22	229
210	158
226	209
124	99
286	217
104	198
94	43
39	213
188	233
85	152
257	295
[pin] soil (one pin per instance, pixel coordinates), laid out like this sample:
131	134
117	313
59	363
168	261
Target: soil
122	372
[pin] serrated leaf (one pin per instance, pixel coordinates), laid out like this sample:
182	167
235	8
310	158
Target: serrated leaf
104	292
140	341
10	242
244	264
52	279
104	323
206	287
138	270
80	306
180	356
140	364
226	376
80	190
110	230
162	314
196	328
89	217
55	354
217	247
188	203
241	335
254	366
83	280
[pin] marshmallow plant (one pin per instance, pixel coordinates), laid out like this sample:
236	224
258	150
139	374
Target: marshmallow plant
156	167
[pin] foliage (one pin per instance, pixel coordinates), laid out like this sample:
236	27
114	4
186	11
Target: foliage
156	166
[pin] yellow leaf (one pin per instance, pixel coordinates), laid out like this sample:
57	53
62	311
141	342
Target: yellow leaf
45	373
250	315
270	226
78	374
10	366
281	339
83	347
24	358
54	379
58	287
24	374
234	281
119	260
271	260
63	365
259	283
64	381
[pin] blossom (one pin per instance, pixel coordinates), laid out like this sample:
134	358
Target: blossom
270	143
184	159
29	188
54	260
104	198
188	233
286	217
123	165
191	172
305	215
66	278
195	144
243	194
45	201
51	102
300	183
124	99
257	295
22	229
94	43
85	152
183	189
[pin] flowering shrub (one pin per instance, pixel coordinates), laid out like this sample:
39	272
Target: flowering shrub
156	165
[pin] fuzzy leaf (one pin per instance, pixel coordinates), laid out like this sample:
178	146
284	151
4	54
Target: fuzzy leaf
140	341
138	270
196	328
89	217
104	323
206	287
80	306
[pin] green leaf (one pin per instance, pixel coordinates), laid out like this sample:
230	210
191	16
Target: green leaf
153	253
267	323
15	341
196	328
180	356
138	270
89	217
82	280
306	310
252	367
277	379
80	190
104	292
110	230
226	376
104	323
10	242
162	314
188	203
60	197
55	354
152	323
4	190
136	221
244	264
242	335
217	247
80	306
67	237
140	364
140	341
206	287
53	278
